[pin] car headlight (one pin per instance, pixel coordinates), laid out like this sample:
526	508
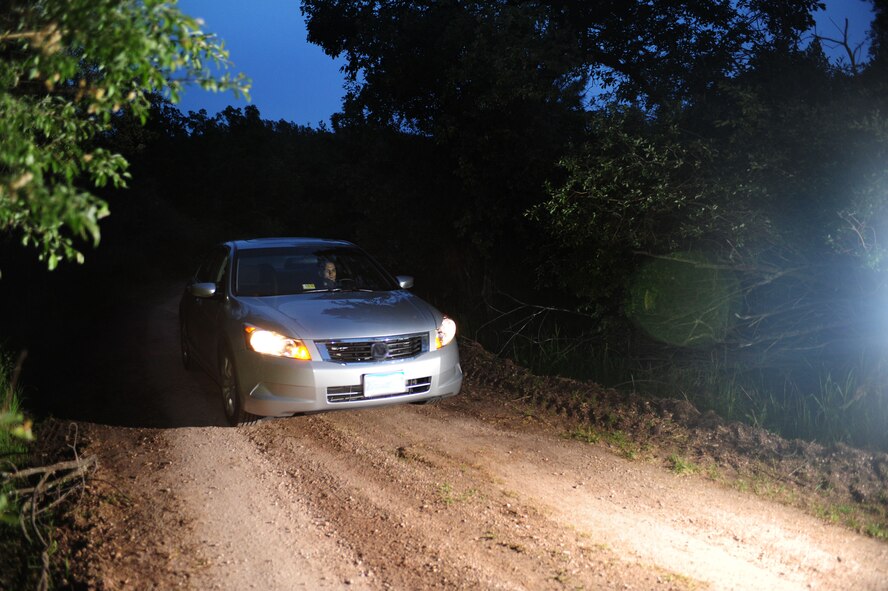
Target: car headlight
269	342
446	332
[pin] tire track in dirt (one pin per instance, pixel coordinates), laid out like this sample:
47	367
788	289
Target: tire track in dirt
418	518
250	528
578	500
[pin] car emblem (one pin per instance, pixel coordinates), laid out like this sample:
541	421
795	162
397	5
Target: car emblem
379	351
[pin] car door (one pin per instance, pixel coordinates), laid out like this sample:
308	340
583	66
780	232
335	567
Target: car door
203	320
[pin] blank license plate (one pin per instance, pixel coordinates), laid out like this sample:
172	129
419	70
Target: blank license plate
380	384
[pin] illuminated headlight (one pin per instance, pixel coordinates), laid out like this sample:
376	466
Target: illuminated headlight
446	332
269	342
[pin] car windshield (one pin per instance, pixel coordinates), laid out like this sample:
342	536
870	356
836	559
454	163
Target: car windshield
294	270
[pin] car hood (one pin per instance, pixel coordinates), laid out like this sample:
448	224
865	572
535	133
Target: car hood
343	315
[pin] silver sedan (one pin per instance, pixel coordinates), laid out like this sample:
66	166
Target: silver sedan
297	325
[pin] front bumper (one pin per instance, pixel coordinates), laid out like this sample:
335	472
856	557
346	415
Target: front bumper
277	387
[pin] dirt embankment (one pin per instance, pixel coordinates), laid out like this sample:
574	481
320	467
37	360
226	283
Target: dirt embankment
518	483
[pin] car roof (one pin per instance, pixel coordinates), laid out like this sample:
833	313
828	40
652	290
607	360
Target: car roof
284	242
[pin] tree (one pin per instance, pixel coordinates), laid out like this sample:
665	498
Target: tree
501	88
777	182
68	68
879	34
636	185
413	63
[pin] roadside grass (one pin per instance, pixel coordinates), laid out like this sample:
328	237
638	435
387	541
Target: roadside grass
841	399
17	569
33	497
856	517
15	430
584	434
714	473
625	445
448	495
765	486
877	531
683	581
681	466
837	513
826	400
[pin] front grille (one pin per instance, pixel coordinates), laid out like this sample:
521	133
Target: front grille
356	392
381	349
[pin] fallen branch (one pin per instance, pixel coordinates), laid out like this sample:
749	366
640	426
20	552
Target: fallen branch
78	470
51	469
56	483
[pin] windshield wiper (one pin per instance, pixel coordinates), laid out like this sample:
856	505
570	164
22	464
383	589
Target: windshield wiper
337	290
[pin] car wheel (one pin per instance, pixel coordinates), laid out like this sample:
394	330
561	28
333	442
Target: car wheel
231	400
429	402
187	357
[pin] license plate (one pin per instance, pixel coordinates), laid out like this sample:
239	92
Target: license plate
380	384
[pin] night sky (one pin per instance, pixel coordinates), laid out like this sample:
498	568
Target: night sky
295	81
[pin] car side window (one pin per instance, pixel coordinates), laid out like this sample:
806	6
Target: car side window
213	269
222	267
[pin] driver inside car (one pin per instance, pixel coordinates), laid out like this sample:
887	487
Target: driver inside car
328	275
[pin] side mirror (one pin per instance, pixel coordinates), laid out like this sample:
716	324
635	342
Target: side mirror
202	290
405	281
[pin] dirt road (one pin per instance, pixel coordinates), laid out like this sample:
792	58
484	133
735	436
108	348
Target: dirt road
476	493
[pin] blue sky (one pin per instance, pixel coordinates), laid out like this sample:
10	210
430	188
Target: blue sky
294	80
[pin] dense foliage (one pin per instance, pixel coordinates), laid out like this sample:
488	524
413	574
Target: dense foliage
503	89
771	187
67	68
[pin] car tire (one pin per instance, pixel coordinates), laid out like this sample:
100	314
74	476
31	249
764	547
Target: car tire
187	355
231	398
429	402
